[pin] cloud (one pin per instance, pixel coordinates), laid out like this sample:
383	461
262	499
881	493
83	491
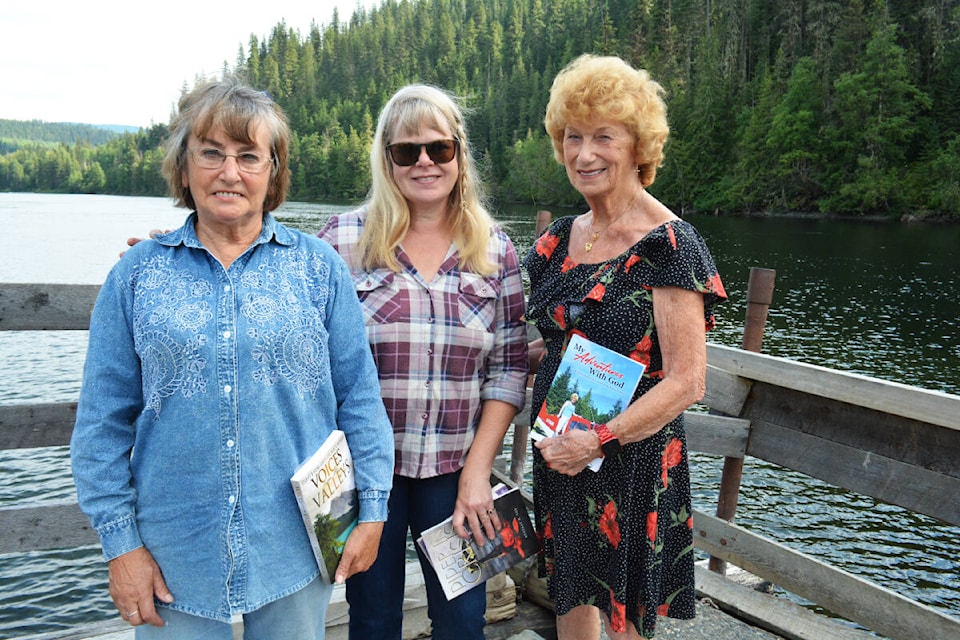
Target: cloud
113	62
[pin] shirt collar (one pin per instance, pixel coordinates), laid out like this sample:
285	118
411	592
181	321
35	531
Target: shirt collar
187	234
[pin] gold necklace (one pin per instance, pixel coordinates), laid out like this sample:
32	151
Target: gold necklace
588	245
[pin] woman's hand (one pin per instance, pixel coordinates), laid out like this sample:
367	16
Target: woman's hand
360	550
153	234
135	579
571	452
474	512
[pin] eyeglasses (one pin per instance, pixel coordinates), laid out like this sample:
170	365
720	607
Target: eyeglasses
405	154
211	158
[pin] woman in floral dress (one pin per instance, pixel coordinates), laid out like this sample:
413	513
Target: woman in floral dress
629	275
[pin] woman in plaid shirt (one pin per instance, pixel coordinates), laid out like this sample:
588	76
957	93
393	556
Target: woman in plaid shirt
442	295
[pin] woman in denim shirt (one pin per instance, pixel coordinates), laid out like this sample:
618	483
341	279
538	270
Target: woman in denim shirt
221	356
442	294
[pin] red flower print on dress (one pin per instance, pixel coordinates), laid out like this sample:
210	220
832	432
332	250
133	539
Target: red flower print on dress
548	528
663	609
652	526
641	352
546	244
618	614
672	455
568	263
715	285
632	260
690	522
672	236
608	524
559	316
597	292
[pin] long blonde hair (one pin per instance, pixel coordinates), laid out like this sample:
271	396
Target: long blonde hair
408	112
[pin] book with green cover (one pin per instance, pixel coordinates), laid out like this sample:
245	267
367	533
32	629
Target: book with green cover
327	496
593	384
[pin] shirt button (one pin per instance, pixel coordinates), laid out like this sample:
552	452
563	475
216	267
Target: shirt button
226	287
227	388
429	352
229	444
423	415
226	335
429	320
427	383
232	499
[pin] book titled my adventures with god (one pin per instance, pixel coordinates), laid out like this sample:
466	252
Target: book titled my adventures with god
462	564
327	496
592	385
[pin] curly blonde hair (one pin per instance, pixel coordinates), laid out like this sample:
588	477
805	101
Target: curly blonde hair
593	88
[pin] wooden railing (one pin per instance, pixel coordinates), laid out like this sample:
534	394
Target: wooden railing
896	443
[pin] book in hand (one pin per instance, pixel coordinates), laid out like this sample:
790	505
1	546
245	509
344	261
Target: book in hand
592	385
327	496
461	564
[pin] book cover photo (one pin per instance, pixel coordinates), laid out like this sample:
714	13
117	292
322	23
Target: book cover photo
461	564
327	496
592	385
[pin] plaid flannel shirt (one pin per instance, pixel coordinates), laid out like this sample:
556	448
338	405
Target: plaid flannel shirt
442	347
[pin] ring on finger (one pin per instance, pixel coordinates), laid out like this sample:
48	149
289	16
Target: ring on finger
127	616
490	512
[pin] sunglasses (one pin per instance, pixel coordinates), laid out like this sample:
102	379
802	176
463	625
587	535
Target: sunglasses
405	154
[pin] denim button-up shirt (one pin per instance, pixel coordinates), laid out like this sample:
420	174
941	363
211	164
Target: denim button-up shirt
203	390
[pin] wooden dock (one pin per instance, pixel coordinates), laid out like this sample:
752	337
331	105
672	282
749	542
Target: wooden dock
896	443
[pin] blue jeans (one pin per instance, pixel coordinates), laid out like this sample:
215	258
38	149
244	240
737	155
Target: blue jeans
300	615
376	596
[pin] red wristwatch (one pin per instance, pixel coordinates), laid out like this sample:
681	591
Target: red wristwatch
608	441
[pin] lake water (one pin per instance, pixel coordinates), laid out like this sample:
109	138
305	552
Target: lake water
873	298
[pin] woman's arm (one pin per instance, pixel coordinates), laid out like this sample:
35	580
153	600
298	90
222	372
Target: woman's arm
473	495
502	394
678	314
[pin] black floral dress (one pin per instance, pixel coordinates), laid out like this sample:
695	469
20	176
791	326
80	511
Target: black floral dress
619	539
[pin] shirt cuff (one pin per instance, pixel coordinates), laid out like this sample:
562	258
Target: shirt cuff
119	537
373	506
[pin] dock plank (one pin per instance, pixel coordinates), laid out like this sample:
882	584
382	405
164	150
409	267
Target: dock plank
846	595
887	396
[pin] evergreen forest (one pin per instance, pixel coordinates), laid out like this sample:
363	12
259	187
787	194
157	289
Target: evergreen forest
844	107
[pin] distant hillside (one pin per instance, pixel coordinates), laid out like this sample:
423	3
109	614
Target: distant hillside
25	131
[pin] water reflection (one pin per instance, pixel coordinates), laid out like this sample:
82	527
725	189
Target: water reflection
876	299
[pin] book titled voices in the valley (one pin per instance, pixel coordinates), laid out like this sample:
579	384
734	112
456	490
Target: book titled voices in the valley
327	496
592	385
461	564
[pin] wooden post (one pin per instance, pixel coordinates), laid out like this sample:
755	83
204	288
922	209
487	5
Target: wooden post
759	297
521	428
543	221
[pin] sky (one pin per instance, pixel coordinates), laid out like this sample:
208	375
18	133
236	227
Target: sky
120	63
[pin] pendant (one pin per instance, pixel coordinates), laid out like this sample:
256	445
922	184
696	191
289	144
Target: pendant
587	246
